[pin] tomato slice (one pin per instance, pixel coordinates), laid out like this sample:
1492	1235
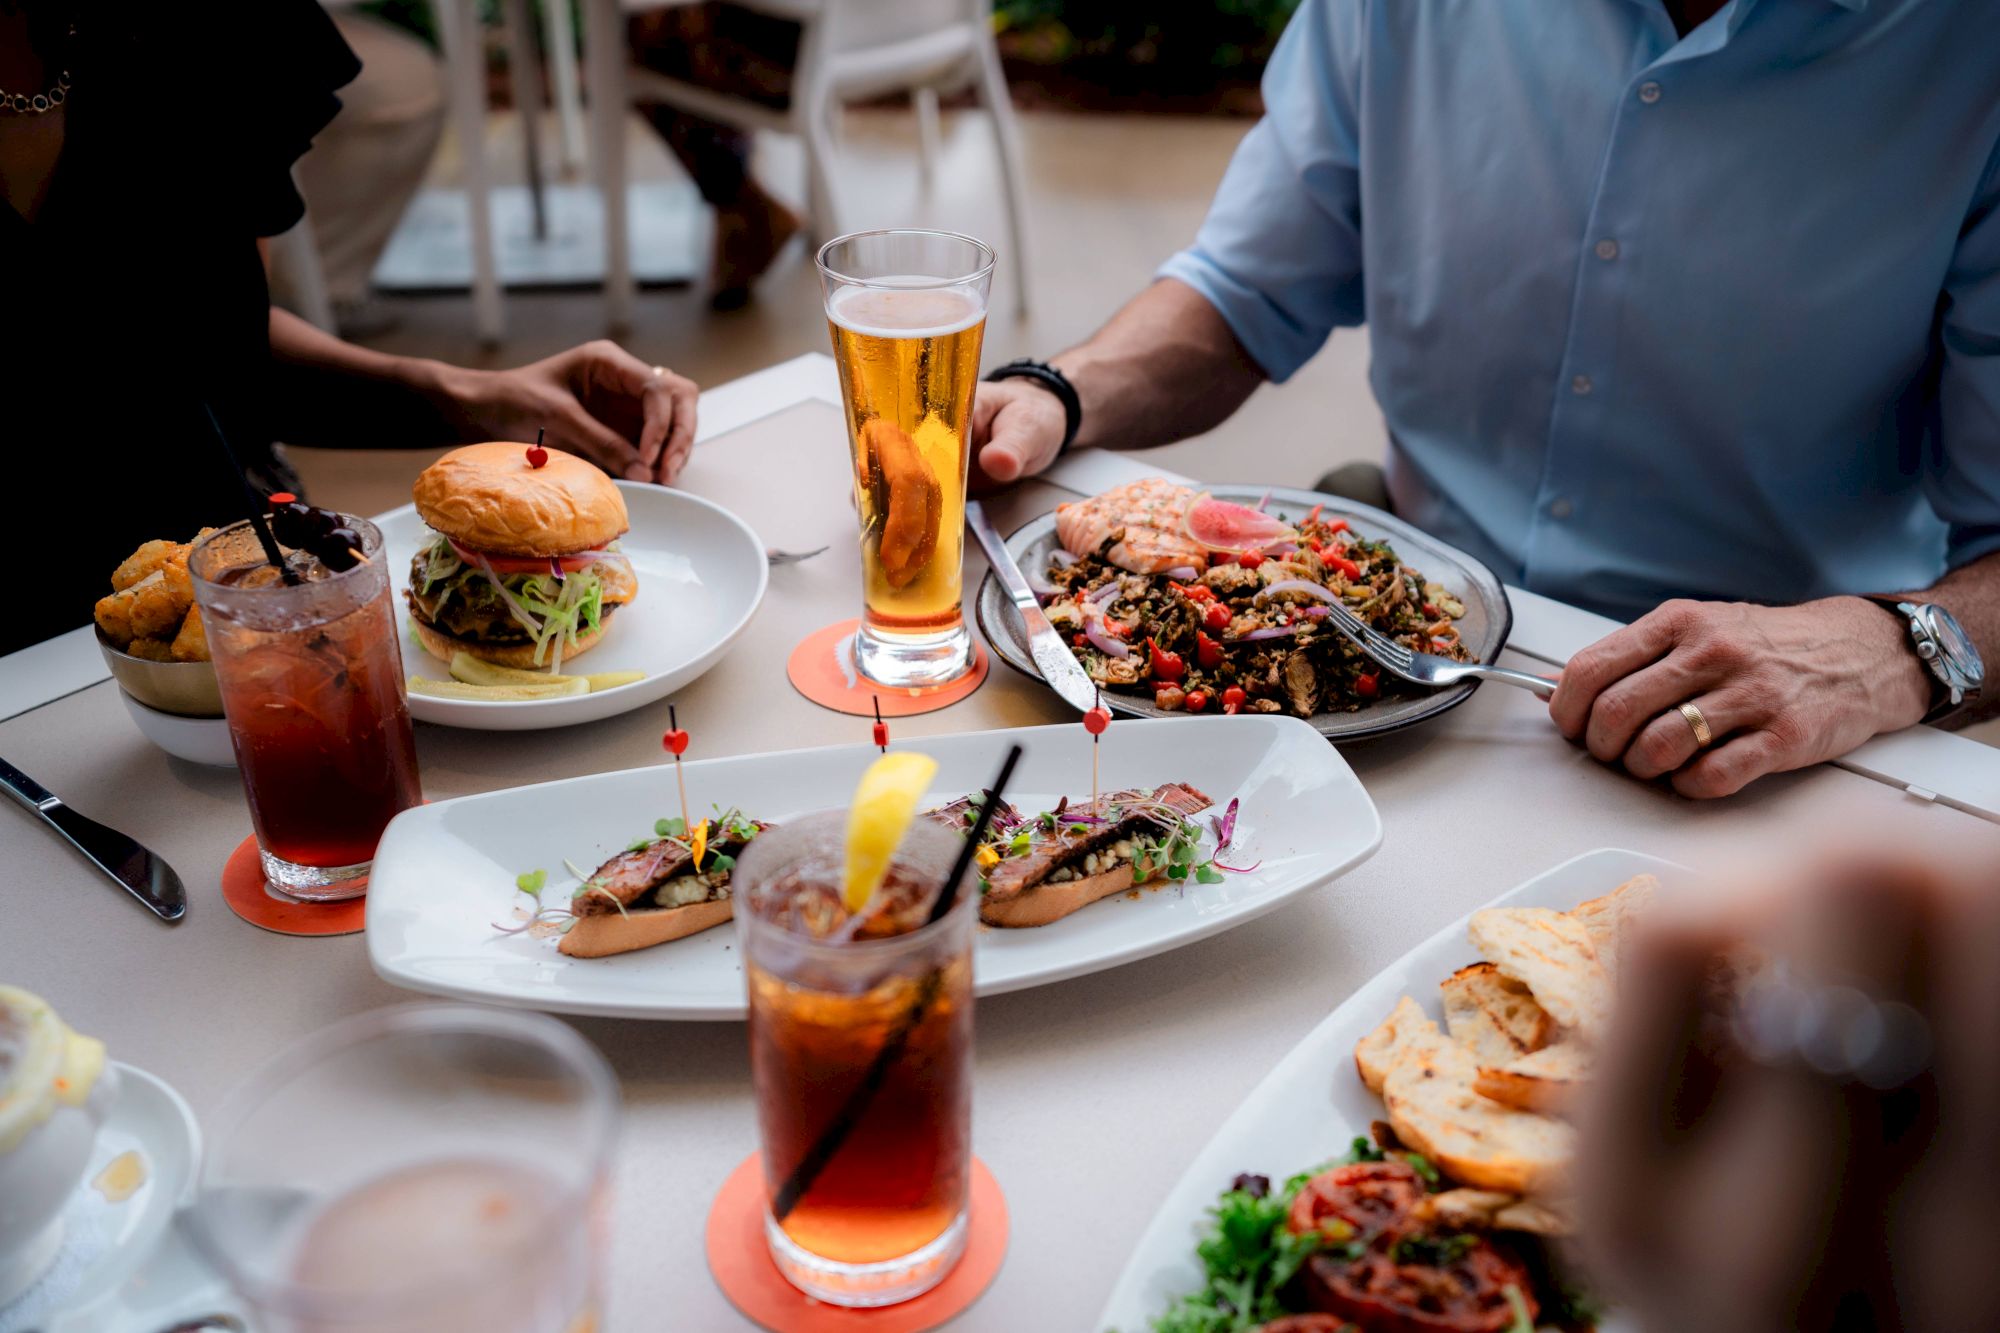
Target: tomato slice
523	564
1379	1295
1370	1198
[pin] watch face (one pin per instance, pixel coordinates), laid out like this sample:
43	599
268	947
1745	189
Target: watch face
1955	647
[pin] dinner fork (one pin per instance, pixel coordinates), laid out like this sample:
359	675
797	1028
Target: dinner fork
1428	669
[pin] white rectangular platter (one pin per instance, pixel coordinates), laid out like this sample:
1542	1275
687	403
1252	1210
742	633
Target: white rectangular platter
1313	1104
444	873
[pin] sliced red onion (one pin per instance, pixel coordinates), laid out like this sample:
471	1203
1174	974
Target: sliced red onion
1103	640
1182	573
519	612
1283	548
555	568
1237	870
1272	632
1039	584
1259	506
1063	559
1306	586
1319	612
1102	594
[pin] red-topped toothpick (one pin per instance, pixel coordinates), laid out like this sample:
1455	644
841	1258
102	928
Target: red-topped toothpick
881	727
538	456
1094	722
676	743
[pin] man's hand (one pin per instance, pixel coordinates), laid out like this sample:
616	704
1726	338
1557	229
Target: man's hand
1780	687
597	401
1017	431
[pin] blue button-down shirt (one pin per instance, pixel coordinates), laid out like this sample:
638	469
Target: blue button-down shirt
1651	316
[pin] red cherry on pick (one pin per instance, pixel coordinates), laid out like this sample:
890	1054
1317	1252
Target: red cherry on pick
676	742
537	456
881	735
1096	720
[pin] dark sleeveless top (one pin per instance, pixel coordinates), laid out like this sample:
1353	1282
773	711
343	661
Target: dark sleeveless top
138	295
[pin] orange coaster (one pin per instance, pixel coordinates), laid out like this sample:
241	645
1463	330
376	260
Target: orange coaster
243	888
822	669
741	1263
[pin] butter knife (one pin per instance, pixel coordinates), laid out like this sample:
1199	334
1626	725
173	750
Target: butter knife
1058	665
140	873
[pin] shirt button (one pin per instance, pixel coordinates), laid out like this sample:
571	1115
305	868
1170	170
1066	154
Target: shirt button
1581	385
1649	92
1607	249
1561	509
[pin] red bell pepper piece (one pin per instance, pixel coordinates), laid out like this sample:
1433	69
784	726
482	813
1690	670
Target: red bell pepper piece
1206	650
1166	665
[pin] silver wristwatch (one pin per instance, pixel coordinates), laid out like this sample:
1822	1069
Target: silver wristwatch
1944	646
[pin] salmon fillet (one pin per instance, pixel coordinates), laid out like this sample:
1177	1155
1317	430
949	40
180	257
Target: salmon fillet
1141	521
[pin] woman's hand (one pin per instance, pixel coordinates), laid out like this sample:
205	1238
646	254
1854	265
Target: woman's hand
597	401
1736	1192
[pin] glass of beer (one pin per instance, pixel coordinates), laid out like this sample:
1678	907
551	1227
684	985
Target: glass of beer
419	1169
907	310
312	684
861	1057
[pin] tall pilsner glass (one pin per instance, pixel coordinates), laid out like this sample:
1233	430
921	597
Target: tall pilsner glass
907	310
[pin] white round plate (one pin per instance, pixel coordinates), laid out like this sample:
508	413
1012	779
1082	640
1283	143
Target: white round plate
702	574
105	1243
199	740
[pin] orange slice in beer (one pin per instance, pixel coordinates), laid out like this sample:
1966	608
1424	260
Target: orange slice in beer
884	804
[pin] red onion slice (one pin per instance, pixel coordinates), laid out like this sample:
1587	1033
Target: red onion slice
1305	586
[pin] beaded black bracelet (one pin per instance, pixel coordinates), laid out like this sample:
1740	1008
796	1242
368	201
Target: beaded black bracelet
1057	383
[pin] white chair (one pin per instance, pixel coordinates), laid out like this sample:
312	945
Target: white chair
849	50
464	60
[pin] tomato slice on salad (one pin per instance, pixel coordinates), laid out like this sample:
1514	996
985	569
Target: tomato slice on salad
1367	1199
1405	1281
524	564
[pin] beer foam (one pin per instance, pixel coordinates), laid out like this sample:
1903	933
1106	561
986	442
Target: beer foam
906	308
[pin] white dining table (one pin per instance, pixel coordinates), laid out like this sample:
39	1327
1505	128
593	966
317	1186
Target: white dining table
1090	1093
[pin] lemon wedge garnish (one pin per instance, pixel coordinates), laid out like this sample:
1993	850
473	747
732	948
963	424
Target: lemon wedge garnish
884	804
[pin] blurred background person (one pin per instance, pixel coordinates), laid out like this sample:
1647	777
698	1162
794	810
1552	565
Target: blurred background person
735	50
366	166
130	256
1825	1158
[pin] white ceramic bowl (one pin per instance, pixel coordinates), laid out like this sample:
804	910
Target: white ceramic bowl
199	740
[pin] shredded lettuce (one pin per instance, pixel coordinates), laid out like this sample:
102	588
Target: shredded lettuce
555	614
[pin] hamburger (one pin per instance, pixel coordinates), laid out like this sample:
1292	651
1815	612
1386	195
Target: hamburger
523	567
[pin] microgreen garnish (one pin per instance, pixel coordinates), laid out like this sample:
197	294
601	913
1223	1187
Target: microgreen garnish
532	882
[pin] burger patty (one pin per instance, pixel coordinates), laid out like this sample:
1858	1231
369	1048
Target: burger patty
472	610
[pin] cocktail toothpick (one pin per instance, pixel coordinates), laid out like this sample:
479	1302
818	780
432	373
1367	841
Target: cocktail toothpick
676	743
881	727
1095	721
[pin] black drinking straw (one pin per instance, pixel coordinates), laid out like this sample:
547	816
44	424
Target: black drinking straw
253	503
842	1125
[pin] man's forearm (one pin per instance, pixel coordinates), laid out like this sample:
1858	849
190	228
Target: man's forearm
1972	594
333	394
1165	367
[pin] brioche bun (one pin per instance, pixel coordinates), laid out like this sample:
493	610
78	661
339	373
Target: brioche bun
488	497
516	653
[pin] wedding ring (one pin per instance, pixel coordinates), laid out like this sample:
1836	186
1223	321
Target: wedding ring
659	371
1703	737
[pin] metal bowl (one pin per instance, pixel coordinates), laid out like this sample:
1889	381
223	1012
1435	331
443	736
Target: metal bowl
185	689
1483	630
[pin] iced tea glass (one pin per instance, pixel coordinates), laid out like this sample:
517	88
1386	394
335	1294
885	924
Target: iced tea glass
312	684
418	1169
907	312
860	1042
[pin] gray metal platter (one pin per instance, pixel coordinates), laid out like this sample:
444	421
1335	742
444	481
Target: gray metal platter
1483	629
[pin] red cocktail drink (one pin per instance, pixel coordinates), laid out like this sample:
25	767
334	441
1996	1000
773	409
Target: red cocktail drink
312	683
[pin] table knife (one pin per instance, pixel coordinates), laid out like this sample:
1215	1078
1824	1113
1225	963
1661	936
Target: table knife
1053	658
140	873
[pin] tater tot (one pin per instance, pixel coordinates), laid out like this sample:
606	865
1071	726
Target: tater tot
191	644
148	558
153	650
150	609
